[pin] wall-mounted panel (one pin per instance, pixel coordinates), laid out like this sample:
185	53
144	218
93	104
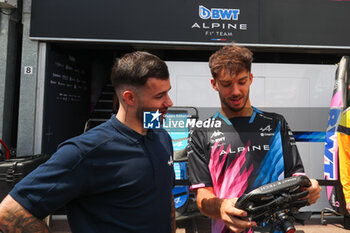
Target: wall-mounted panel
180	21
287	23
305	22
66	97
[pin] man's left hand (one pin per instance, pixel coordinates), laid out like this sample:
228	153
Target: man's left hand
314	192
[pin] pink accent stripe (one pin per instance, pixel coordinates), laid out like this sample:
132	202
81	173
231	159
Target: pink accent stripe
299	174
329	192
337	100
197	186
218	226
335	169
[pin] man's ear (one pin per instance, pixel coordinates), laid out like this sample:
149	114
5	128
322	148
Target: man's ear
129	97
250	78
213	84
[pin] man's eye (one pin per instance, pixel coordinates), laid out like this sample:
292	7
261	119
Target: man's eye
226	84
159	96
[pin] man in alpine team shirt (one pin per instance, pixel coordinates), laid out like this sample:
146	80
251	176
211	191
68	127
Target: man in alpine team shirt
250	149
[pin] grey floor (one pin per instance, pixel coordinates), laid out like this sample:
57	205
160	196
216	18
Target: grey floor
58	224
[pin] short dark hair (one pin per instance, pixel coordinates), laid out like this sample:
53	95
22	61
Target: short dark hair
135	68
232	58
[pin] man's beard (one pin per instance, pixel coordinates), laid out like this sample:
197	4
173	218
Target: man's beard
233	109
141	109
139	114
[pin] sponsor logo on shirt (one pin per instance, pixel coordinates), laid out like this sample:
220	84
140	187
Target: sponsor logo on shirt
219	139
266	129
217	136
248	148
216	133
266	117
170	161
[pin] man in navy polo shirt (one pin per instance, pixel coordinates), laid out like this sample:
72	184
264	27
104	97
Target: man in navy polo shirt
117	177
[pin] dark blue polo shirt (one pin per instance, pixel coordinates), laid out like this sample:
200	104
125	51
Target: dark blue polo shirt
111	179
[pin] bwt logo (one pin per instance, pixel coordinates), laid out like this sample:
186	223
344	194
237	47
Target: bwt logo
330	147
151	120
218	13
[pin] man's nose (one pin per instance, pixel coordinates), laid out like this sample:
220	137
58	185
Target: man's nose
168	102
235	91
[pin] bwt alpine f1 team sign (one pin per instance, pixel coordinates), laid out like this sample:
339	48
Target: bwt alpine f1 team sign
139	21
287	22
221	24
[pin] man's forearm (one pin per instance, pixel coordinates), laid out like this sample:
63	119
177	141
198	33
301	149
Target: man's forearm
14	218
208	203
19	222
211	207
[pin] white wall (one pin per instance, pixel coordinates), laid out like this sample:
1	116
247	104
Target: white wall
302	93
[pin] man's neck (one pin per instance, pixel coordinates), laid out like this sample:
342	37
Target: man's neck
131	122
228	113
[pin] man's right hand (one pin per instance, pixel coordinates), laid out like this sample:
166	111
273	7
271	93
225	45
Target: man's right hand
224	209
233	217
